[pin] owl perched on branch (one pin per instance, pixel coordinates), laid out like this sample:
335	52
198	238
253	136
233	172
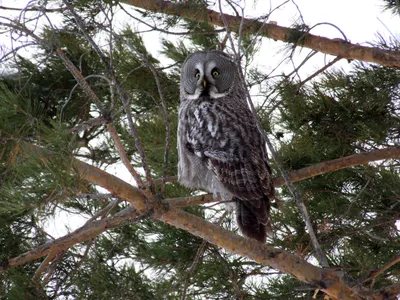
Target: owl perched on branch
220	147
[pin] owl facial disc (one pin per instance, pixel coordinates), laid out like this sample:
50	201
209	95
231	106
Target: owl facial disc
207	74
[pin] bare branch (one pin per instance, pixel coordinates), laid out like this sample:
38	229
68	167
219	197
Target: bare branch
52	268
84	233
296	195
125	101
199	254
165	113
266	255
122	153
335	60
34	8
375	273
335	47
302	174
44	265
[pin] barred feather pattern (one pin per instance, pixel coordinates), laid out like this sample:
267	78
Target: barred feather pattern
222	151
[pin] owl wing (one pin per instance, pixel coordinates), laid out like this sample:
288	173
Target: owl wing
226	139
247	180
229	142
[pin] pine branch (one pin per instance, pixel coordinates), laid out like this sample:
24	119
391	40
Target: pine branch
84	233
375	273
302	174
341	163
199	255
125	101
275	258
335	47
278	259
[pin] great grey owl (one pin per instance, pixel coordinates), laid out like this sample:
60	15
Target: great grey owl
220	147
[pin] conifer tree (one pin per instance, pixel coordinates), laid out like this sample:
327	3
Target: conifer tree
88	95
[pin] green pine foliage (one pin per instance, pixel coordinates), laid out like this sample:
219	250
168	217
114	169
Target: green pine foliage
353	210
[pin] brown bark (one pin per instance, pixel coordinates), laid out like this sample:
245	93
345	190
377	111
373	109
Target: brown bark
305	173
340	163
336	47
375	273
267	255
323	279
80	235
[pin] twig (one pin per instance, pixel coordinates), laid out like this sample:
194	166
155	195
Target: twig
336	47
125	101
296	195
375	273
165	113
197	258
104	212
76	85
232	275
318	72
44	265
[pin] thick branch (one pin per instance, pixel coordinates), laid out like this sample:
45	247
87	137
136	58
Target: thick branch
375	273
84	233
340	163
305	173
336	47
266	255
323	279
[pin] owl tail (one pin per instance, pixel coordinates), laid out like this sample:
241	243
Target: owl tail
254	222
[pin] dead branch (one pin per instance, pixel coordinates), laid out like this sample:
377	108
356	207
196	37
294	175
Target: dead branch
335	47
125	101
44	265
335	60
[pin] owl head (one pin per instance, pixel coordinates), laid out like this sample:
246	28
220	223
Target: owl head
208	73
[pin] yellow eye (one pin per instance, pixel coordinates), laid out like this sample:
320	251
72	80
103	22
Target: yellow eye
197	75
215	73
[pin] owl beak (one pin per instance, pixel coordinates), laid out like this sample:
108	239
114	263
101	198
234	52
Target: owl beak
204	83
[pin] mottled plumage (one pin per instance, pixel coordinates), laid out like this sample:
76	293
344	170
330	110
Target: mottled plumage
220	147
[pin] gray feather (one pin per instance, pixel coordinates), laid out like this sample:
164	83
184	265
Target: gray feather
220	147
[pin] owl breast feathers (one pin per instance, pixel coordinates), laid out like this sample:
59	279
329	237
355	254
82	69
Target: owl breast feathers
220	147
